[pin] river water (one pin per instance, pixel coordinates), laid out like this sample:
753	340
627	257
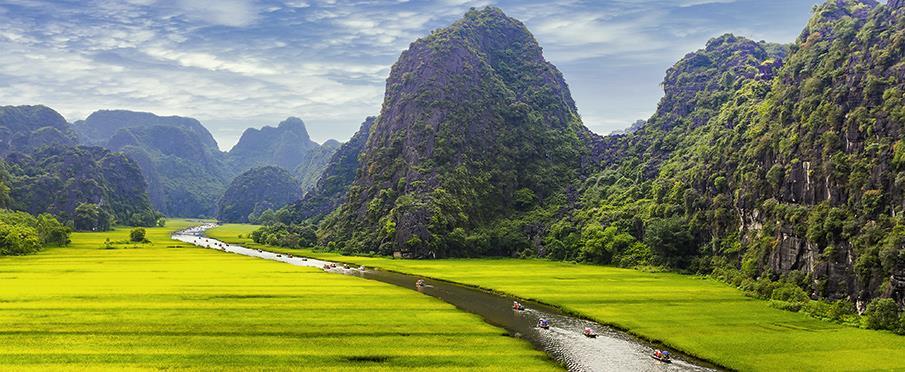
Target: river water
611	350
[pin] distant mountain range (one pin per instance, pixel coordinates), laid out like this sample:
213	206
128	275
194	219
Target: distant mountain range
186	172
179	160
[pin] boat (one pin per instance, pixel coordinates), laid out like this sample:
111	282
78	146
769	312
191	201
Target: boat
517	306
662	356
543	324
589	333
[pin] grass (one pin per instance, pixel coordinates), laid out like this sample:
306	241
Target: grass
166	305
700	316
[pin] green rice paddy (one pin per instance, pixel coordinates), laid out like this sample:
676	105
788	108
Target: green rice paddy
167	305
700	316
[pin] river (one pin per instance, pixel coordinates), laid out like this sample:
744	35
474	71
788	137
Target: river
564	341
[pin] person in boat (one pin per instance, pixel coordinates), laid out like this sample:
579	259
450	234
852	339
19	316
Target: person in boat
661	355
543	323
517	306
419	283
588	332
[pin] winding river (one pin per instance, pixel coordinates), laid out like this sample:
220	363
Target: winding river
611	350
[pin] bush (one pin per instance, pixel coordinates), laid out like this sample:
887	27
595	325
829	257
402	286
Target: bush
23	233
137	235
91	217
882	313
18	239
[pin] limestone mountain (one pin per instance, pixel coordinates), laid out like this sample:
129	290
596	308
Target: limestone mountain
185	170
476	126
314	163
58	178
255	191
334	181
284	146
287	146
102	125
785	165
27	128
43	171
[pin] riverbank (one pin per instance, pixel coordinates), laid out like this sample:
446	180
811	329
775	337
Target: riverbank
170	305
700	316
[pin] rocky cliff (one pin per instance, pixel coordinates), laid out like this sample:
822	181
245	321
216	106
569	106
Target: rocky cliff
476	125
782	164
334	181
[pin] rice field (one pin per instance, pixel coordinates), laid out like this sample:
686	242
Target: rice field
167	305
700	316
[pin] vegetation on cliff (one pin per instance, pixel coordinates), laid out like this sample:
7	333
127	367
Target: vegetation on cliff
476	126
255	191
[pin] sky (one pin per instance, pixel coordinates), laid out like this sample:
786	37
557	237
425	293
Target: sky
235	64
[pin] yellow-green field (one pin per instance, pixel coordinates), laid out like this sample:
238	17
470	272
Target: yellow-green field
167	305
700	316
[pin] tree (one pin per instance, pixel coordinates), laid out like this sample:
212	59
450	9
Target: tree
670	241
18	239
51	231
91	217
137	235
882	314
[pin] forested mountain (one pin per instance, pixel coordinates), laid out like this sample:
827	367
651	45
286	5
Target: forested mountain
255	191
287	146
58	179
44	172
333	184
785	168
102	125
185	170
475	126
775	162
26	128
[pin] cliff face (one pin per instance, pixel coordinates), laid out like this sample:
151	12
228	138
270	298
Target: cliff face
334	181
791	167
831	147
472	114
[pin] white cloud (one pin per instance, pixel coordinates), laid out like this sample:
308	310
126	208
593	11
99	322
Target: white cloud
235	13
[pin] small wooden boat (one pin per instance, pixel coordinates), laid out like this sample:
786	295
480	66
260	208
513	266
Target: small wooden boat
662	356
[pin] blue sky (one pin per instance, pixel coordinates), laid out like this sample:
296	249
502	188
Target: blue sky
235	64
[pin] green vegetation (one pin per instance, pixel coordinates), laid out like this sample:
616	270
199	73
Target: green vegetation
332	184
137	235
22	233
28	128
255	191
167	305
485	128
700	316
59	179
